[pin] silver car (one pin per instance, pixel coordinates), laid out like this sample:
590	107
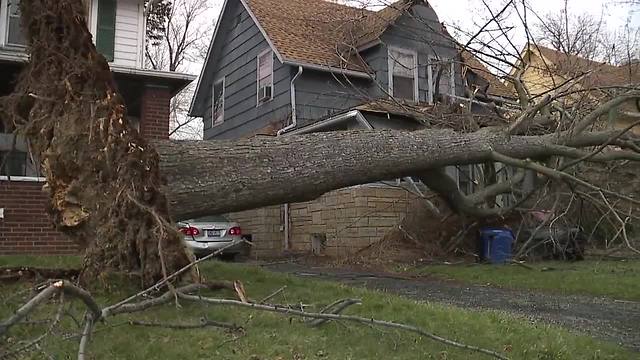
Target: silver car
211	233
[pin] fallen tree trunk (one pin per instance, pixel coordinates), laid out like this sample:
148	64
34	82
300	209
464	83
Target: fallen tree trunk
209	177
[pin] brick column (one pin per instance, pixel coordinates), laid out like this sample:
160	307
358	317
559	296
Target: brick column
154	115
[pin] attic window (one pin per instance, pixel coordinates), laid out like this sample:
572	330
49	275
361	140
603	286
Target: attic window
441	78
265	76
403	74
217	103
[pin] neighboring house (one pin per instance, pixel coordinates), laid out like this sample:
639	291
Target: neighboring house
118	27
545	71
281	67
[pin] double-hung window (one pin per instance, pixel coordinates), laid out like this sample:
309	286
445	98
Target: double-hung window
15	35
217	103
403	74
265	76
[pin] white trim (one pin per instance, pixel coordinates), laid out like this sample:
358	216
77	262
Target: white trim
213	101
332	121
261	54
23	178
3	23
416	77
142	30
430	88
152	73
331	69
94	19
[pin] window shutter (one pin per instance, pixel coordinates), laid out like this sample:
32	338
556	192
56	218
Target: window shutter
106	34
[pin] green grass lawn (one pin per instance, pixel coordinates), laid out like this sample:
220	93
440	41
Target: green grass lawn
272	336
613	279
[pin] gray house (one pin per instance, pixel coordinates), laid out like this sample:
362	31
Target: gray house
281	67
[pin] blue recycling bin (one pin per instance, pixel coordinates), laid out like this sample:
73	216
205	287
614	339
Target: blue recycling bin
496	244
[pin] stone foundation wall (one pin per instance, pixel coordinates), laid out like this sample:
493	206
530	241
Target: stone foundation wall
337	224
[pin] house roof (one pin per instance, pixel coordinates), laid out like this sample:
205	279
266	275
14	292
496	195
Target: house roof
321	32
496	87
601	73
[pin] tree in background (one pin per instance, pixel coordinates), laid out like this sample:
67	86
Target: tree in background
177	40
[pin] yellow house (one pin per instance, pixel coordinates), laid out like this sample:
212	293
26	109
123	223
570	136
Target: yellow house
546	71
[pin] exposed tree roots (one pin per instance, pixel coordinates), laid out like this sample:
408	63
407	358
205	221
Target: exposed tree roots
103	179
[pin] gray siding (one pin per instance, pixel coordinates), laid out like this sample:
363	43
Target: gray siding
321	94
235	57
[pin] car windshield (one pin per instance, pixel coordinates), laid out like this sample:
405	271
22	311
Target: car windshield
206	219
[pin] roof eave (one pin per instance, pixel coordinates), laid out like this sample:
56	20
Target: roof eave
330	69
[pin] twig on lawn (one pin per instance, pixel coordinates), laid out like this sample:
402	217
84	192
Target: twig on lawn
165	298
335	308
204	322
273	294
86	334
162	282
44	295
37	340
352	318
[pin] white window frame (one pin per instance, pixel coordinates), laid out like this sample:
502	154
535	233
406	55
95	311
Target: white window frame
416	66
222	81
258	102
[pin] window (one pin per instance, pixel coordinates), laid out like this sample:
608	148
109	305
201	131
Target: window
403	74
217	103
15	36
265	76
106	31
441	78
13	163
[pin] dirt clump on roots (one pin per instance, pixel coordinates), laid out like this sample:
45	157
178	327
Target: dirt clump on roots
103	179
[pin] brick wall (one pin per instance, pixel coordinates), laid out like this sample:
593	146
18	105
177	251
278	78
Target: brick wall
26	227
154	114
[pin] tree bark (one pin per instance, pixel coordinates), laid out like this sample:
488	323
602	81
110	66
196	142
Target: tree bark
212	177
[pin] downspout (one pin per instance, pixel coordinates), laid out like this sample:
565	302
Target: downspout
294	122
294	117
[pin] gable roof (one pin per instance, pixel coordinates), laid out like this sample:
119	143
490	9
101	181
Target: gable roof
323	33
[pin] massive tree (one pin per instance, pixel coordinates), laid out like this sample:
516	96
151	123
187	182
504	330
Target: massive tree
107	187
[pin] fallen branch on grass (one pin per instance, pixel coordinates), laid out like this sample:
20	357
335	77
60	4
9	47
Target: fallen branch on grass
95	314
44	295
203	323
352	318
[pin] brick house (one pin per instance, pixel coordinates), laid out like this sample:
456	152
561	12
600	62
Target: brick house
283	67
118	27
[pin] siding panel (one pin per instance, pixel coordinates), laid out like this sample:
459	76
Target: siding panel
127	41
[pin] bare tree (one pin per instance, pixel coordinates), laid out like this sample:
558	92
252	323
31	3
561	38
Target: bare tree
177	45
572	34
